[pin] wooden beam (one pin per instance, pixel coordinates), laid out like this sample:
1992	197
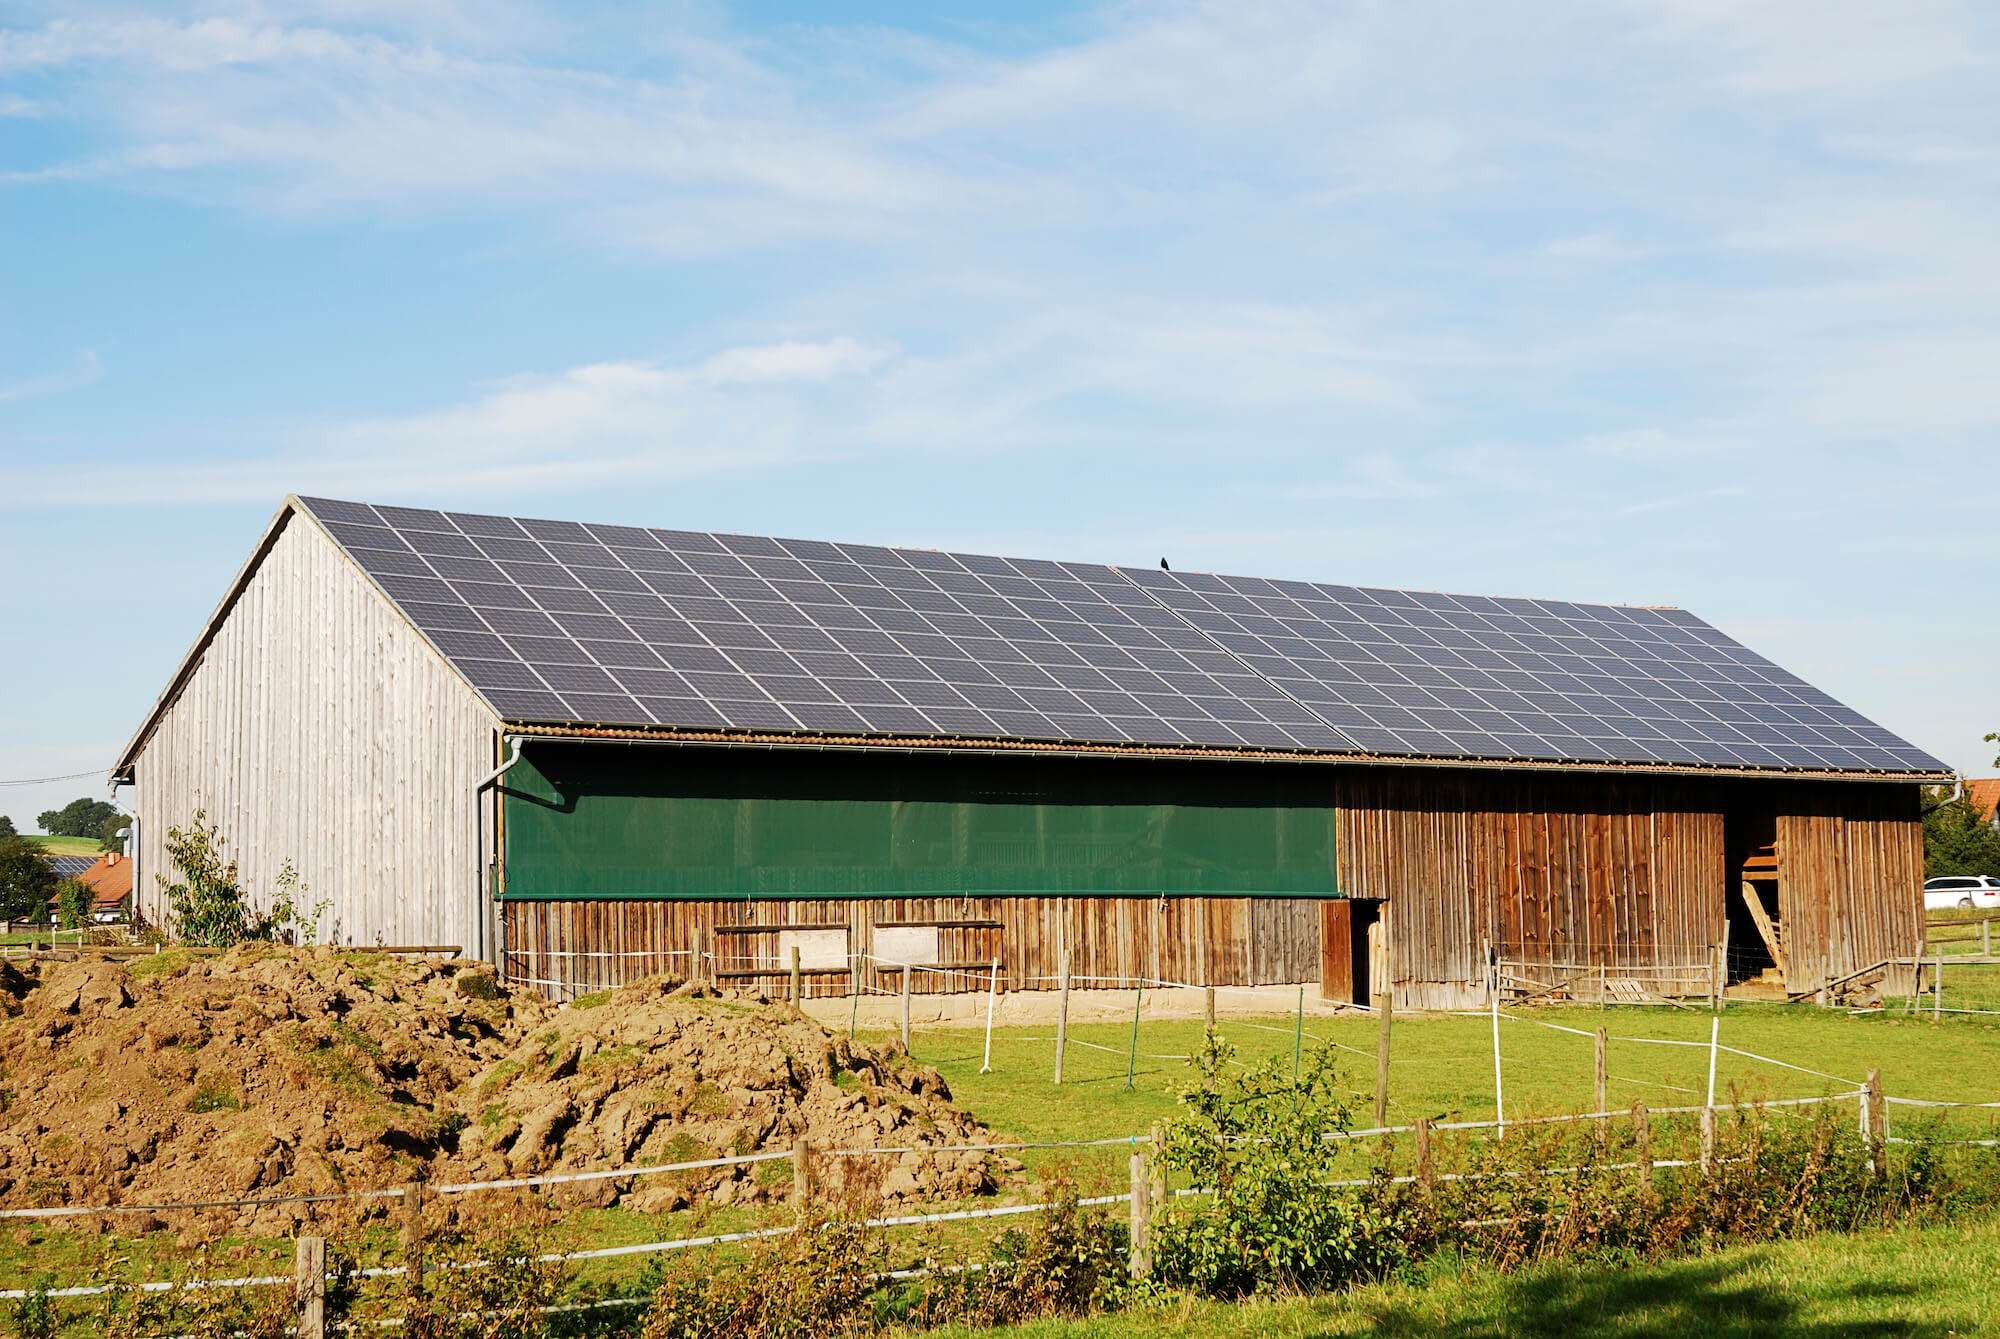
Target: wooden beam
1755	901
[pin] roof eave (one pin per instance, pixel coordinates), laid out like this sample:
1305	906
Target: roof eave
971	744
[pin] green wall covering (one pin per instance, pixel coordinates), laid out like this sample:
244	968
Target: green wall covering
611	822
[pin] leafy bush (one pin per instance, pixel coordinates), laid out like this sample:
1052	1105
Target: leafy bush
208	906
1258	1139
1069	1262
74	902
1278	1217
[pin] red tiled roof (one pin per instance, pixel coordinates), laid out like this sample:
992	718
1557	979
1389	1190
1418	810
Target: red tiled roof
1985	795
110	879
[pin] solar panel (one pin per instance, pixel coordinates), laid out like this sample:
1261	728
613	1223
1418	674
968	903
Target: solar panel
558	622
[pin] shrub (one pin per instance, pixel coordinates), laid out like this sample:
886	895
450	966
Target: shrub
209	908
74	902
1258	1138
1069	1262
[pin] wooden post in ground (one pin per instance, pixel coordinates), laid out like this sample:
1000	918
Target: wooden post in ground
1875	1123
1602	1089
1140	1264
1642	1145
1986	938
415	1237
798	999
1208	1011
1385	1006
1602	1077
1426	1175
802	1182
1707	1140
1937	986
1062	1013
309	1287
906	1008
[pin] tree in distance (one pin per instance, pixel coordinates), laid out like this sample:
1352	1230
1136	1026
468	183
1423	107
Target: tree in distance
26	880
81	817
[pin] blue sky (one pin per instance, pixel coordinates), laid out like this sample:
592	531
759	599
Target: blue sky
1682	302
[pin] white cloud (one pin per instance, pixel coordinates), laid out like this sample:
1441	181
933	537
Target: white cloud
648	422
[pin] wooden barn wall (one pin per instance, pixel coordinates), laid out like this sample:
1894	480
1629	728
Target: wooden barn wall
1617	871
318	727
1850	881
570	946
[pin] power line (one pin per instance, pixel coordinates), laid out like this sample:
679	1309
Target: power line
44	780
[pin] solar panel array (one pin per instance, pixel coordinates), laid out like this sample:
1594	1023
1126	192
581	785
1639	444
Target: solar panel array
562	622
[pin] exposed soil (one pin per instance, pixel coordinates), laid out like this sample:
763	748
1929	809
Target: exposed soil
278	1071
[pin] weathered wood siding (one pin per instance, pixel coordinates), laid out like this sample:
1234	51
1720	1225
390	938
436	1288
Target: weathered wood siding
1850	881
318	727
1618	871
578	946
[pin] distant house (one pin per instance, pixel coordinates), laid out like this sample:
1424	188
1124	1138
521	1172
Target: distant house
1984	795
109	878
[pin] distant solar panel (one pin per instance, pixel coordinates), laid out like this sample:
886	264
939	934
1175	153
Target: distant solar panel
559	622
70	866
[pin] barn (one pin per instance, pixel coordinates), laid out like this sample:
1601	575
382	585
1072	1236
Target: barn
593	752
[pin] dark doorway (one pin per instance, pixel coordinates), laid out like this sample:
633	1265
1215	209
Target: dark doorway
1749	956
1346	971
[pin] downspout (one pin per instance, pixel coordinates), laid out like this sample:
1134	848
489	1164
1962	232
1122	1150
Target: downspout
481	879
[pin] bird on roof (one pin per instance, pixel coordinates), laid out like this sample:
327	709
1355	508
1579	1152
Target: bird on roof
1164	567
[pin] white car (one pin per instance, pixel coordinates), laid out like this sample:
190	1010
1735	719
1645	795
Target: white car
1961	891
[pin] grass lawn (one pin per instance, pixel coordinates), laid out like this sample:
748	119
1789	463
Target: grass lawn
68	845
1918	1282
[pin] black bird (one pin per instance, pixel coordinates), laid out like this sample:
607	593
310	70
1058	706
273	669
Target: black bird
1164	567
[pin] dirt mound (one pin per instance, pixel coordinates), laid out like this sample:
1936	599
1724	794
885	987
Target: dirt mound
651	1075
267	1071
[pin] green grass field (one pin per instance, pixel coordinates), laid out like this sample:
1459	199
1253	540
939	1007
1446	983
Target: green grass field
67	845
1924	1283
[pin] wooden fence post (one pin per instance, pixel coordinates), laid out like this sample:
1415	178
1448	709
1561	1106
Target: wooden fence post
309	1287
1385	1008
1062	1012
1642	1145
1140	1264
1426	1176
1208	1011
1602	1090
1986	938
1937	987
906	1008
798	999
1707	1140
802	1183
415	1237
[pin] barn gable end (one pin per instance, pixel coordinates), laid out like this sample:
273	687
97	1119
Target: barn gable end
313	724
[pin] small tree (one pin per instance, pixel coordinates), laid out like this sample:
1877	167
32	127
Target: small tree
208	906
7	828
26	880
81	817
1957	839
75	900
